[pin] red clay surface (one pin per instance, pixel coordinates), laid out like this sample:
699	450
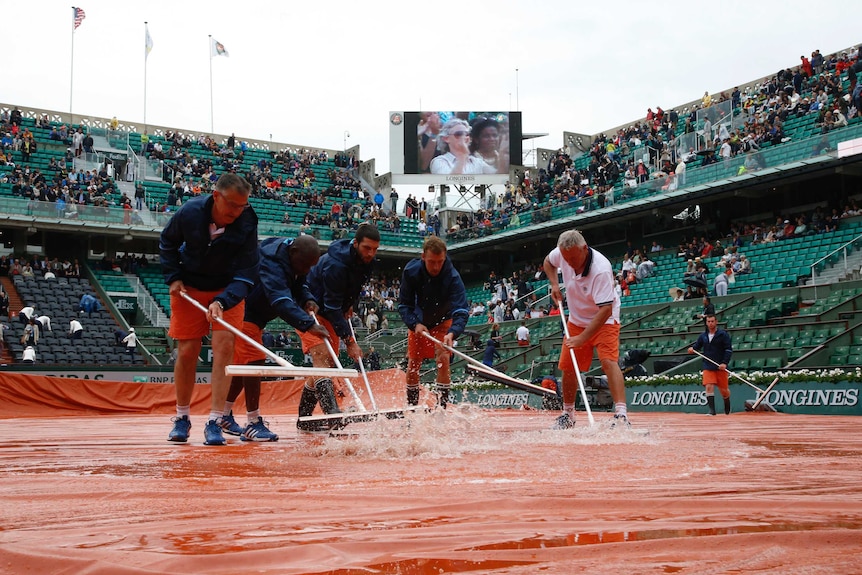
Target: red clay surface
465	491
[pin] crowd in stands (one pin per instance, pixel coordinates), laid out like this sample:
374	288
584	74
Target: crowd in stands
813	87
61	185
728	247
10	266
287	177
127	263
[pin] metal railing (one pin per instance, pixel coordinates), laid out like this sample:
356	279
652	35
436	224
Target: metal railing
147	304
844	249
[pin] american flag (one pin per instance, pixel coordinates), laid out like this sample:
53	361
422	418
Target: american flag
79	16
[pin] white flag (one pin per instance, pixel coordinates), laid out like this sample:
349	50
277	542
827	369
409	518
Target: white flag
148	42
217	48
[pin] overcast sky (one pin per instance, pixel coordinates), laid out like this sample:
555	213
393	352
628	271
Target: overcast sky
308	71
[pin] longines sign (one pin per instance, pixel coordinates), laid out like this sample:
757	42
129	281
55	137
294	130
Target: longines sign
840	398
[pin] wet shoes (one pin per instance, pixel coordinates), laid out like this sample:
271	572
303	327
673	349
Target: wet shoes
229	425
180	432
212	433
258	431
620	421
564	422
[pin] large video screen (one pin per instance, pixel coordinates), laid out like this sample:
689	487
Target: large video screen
460	147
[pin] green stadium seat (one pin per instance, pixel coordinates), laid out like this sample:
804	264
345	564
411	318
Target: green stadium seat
773	363
757	363
739	364
854	360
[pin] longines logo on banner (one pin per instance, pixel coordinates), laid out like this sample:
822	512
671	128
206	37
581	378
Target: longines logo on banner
460	178
669	398
797	397
492	399
832	397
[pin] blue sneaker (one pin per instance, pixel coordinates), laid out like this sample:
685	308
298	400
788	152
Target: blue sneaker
229	425
180	432
620	421
258	431
212	433
564	422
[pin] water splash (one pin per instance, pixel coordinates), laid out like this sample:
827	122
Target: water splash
461	430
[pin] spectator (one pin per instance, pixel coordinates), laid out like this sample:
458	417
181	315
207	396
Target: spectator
25	314
455	135
523	334
88	304
708	309
29	355
721	281
371	320
283	339
744	265
4	304
645	269
31	333
490	353
44	323
372	359
267	339
76	330
131	341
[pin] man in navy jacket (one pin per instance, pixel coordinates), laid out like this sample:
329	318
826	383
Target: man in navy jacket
433	300
208	250
279	291
715	344
335	283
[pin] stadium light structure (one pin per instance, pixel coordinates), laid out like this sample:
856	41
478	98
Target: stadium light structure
346	135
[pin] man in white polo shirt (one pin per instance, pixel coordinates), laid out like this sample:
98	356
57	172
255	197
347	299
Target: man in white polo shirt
523	334
594	320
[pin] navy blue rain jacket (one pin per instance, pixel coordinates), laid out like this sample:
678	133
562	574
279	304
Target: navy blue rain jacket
336	281
432	300
228	263
718	350
279	291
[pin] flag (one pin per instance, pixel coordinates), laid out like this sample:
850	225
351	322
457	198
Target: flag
79	15
148	42
217	48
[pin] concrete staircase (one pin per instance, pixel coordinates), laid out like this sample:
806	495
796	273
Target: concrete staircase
148	305
15	304
845	269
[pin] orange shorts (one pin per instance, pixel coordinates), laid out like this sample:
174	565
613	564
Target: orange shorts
243	352
606	341
310	340
718	378
188	322
420	347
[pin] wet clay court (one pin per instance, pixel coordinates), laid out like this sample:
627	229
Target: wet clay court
465	491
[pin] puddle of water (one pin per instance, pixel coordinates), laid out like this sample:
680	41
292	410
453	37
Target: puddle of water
598	537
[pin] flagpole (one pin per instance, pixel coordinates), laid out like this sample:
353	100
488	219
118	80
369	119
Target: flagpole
210	47
72	71
146	47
